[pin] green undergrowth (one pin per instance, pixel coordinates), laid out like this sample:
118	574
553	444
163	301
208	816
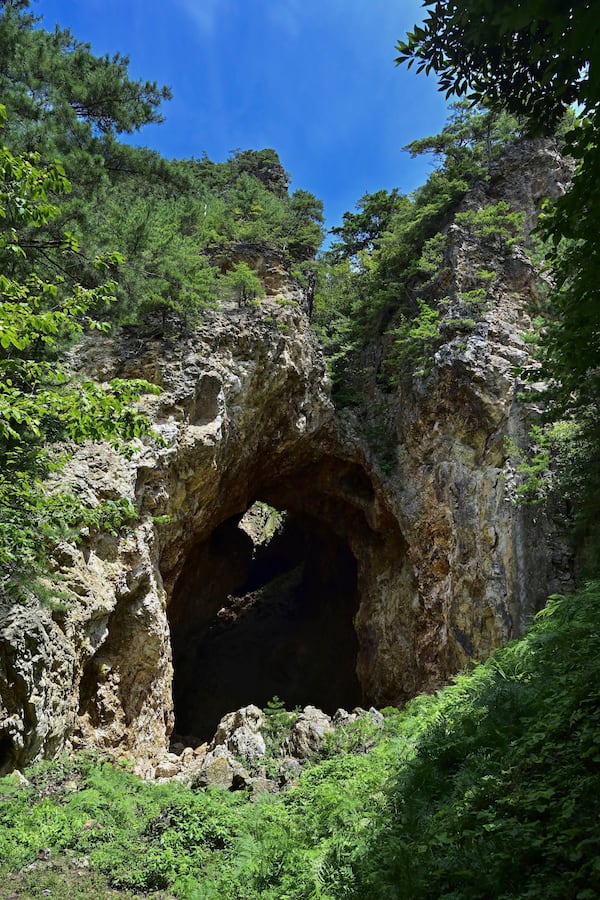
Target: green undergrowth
489	789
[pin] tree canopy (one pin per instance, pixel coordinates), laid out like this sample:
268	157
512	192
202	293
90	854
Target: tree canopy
167	218
535	57
54	87
382	272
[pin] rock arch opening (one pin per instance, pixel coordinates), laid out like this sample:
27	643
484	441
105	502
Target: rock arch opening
264	606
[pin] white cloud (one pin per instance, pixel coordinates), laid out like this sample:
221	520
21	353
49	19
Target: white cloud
204	13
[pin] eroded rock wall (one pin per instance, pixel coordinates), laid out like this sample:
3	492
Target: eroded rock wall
446	567
482	566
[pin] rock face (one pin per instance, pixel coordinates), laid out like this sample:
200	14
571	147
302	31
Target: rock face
481	566
444	567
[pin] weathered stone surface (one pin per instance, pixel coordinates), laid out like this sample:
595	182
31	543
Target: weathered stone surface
308	732
261	785
221	769
239	732
37	669
271	267
166	769
342	717
446	568
480	567
232	761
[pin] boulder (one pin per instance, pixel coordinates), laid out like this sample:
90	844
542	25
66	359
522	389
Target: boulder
220	769
308	732
239	732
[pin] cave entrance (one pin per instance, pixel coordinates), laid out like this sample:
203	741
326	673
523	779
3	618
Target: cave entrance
264	607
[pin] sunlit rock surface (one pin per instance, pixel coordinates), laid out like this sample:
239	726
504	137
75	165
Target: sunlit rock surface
391	576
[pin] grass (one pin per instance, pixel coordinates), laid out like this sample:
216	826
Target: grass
491	788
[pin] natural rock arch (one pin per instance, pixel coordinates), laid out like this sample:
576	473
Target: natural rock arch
335	519
445	569
250	621
243	432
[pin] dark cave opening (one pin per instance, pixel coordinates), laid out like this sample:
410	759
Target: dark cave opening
264	608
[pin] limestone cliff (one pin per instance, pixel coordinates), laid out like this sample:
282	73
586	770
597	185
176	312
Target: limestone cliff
405	572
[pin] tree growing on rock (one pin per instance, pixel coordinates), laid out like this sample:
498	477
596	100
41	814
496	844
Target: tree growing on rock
242	284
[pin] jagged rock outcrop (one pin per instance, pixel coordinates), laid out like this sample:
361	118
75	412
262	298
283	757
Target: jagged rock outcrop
482	567
445	567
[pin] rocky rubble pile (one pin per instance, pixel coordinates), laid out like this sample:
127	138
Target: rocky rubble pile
246	753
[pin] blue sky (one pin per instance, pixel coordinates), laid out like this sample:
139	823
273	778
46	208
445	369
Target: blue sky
314	79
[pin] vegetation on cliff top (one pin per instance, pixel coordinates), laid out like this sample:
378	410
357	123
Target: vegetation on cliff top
177	224
385	278
110	234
